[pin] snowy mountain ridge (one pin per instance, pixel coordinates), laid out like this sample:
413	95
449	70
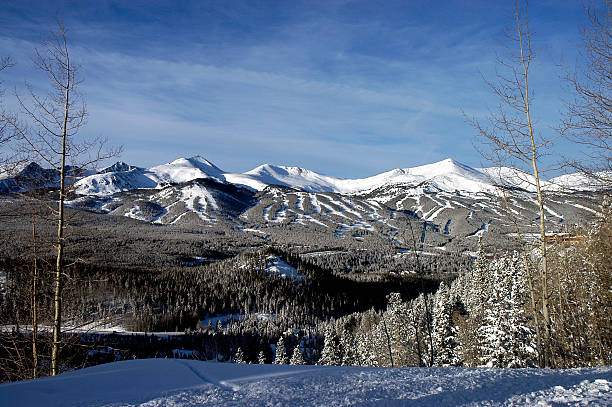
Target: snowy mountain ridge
447	175
128	177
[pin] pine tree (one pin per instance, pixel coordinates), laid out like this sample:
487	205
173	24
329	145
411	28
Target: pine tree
474	290
506	339
365	350
331	354
296	357
281	353
420	319
478	285
492	333
397	324
239	357
261	358
347	343
522	347
444	335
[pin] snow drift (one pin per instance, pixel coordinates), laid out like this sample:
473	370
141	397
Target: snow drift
182	383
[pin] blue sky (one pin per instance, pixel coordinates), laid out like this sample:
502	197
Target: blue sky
346	88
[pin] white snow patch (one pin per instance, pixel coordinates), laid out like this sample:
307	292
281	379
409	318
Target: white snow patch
585	208
135	213
277	266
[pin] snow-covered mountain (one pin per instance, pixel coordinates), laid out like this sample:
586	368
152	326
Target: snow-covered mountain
294	177
118	166
26	177
444	176
511	178
127	177
451	199
444	206
447	176
580	182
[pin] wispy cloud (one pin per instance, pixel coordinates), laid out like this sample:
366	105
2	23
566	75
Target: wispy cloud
347	88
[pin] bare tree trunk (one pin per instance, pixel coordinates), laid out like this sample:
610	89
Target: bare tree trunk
536	175
34	302
59	267
49	134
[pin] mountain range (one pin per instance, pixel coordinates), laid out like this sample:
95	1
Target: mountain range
444	206
447	175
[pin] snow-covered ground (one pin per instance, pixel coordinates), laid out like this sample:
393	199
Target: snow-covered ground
174	382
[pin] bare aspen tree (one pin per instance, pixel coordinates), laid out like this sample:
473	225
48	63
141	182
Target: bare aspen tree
589	114
47	130
511	139
34	305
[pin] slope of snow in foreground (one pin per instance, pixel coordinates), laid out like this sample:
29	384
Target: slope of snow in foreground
174	382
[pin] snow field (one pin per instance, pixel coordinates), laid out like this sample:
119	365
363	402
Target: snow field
186	383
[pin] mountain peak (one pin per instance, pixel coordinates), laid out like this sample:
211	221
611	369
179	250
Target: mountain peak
119	166
448	163
197	161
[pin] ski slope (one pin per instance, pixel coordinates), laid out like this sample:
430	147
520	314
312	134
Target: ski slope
182	383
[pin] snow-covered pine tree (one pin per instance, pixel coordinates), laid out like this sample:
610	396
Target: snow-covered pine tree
419	335
492	333
239	356
261	358
296	357
443	332
506	339
396	323
379	338
478	286
473	288
281	354
365	351
522	347
347	343
331	354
